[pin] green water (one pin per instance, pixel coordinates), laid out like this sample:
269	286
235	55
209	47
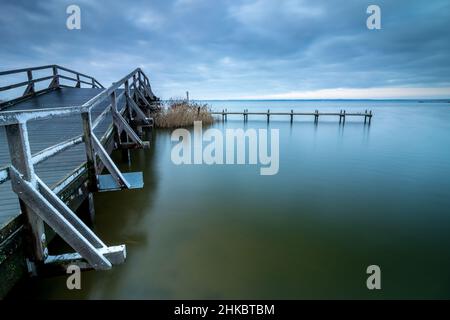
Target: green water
345	197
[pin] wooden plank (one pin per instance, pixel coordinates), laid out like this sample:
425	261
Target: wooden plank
57	222
21	160
121	122
55	149
141	95
15	117
59	263
109	164
101	117
68	214
140	114
91	160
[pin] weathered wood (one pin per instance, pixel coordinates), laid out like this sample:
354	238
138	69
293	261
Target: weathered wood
143	98
55	81
29	195
91	160
45	202
21	160
139	113
122	124
30	86
342	114
55	149
115	255
68	214
15	117
109	164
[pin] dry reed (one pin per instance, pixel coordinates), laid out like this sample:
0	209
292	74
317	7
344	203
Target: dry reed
180	113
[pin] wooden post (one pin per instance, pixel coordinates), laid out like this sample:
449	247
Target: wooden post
115	111
292	115
226	115
135	88
343	117
78	85
316	116
91	161
340	116
187	97
21	160
223	115
370	116
268	115
30	87
55	77
127	94
126	156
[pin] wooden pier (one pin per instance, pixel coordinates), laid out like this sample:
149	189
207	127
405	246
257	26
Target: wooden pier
290	115
56	146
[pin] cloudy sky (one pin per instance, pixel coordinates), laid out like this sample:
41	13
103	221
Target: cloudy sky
234	49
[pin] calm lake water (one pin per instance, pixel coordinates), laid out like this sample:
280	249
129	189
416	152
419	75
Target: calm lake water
345	197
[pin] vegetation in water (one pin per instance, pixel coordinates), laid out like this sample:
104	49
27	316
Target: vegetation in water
177	113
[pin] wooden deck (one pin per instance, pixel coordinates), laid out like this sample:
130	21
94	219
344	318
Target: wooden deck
45	133
55	143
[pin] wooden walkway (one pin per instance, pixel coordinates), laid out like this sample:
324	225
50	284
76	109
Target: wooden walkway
46	133
367	115
55	145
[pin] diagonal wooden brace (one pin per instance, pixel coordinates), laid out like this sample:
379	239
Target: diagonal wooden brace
140	114
122	124
68	214
141	95
109	164
148	91
44	209
58	264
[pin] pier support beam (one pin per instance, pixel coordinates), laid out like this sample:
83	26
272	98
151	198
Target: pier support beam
21	159
91	162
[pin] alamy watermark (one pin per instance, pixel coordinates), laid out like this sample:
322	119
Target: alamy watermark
228	149
373	22
374	280
73	21
74	280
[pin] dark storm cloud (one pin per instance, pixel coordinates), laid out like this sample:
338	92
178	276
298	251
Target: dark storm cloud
228	49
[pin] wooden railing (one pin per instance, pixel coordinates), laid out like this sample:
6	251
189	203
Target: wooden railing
54	77
39	203
341	114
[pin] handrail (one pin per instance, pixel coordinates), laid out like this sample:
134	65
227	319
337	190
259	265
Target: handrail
77	77
23	116
51	66
107	92
2	73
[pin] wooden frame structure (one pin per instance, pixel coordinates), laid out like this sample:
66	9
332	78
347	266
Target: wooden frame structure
38	202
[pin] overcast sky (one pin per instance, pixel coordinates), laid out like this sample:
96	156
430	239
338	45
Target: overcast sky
241	49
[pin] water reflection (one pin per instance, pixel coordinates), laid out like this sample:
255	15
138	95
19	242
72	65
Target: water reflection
345	197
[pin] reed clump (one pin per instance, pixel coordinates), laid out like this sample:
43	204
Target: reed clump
181	113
